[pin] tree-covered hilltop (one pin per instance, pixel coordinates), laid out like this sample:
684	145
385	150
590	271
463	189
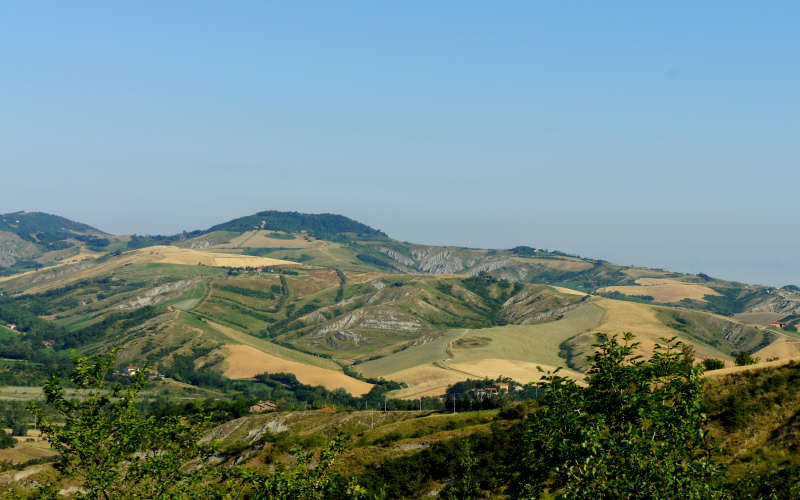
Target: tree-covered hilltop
39	227
322	226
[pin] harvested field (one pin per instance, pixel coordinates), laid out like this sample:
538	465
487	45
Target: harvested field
521	371
425	380
781	348
757	366
269	239
236	336
641	320
423	354
539	343
758	318
565	264
516	349
186	256
244	361
664	290
23	452
643	272
569	291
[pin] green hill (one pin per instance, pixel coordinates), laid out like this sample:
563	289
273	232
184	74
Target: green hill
321	226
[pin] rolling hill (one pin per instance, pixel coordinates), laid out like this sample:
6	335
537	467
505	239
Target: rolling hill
340	304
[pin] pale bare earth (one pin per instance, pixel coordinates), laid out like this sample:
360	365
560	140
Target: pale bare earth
664	290
244	361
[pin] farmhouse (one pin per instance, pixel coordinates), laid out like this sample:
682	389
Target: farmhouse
501	386
263	407
131	370
12	326
153	374
48	343
778	324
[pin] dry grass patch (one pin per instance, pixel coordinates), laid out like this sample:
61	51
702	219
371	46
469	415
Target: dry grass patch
641	320
756	366
175	255
565	264
781	348
539	343
568	291
664	290
758	318
425	380
244	361
643	272
268	239
521	371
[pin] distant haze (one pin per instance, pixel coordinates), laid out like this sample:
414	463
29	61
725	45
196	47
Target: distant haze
658	135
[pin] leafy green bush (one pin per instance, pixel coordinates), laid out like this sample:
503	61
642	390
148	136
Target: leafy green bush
713	364
743	358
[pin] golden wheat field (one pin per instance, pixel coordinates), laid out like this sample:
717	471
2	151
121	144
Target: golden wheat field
267	239
757	366
521	371
175	255
640	319
664	290
780	348
244	361
425	380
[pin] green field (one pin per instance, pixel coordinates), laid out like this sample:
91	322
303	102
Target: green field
538	343
429	352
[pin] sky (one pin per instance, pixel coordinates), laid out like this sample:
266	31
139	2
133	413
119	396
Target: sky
662	134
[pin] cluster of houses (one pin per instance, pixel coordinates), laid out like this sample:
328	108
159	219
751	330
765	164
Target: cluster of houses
150	373
494	390
263	407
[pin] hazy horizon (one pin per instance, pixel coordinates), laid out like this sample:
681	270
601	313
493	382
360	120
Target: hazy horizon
662	136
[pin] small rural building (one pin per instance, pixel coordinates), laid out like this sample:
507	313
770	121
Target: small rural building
12	326
153	374
131	370
501	386
263	407
49	343
778	324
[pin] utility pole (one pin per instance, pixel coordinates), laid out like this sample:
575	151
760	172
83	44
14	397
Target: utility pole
454	403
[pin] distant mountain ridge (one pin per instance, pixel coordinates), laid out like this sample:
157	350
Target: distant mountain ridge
29	240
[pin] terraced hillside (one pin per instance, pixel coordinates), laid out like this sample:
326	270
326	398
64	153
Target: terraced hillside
332	300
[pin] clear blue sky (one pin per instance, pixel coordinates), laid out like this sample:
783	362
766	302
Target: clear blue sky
663	135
